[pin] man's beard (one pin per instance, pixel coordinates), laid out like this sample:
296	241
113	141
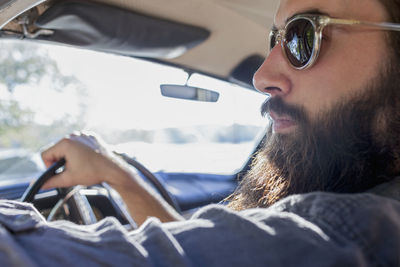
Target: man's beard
350	148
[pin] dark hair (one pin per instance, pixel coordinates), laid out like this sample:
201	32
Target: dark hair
393	9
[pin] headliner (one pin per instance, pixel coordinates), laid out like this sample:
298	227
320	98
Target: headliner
239	28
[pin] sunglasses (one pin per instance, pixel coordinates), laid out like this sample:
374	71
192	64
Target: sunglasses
302	36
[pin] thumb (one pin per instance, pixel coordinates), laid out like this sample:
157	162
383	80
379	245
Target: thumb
62	179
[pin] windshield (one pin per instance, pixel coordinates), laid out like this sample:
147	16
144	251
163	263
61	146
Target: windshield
49	91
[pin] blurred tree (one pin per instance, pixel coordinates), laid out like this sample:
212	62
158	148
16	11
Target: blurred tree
28	64
22	64
12	116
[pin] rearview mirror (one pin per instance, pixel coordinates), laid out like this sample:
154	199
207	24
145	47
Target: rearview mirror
188	93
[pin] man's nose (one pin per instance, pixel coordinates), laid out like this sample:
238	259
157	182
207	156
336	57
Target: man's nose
271	78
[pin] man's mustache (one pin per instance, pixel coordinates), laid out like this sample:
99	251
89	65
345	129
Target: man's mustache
279	107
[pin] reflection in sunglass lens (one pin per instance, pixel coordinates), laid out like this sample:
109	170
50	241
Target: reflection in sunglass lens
272	39
299	42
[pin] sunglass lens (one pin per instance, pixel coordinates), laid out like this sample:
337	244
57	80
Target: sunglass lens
299	42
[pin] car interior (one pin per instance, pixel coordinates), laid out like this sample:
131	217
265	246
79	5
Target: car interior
225	40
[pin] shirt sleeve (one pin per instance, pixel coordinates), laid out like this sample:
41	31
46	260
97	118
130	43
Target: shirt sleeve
317	229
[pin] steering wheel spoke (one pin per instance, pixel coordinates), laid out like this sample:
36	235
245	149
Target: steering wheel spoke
76	206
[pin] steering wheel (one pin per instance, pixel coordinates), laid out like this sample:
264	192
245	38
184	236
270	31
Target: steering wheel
32	190
83	212
80	209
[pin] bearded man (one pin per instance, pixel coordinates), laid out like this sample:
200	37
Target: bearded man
323	190
346	144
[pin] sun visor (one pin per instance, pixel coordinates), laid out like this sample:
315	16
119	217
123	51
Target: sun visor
111	29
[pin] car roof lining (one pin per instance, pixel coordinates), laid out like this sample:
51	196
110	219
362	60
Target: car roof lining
238	30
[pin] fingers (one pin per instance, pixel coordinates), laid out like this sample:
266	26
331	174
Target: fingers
84	140
55	152
89	139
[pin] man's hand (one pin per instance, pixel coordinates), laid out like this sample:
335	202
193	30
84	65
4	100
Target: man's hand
88	162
